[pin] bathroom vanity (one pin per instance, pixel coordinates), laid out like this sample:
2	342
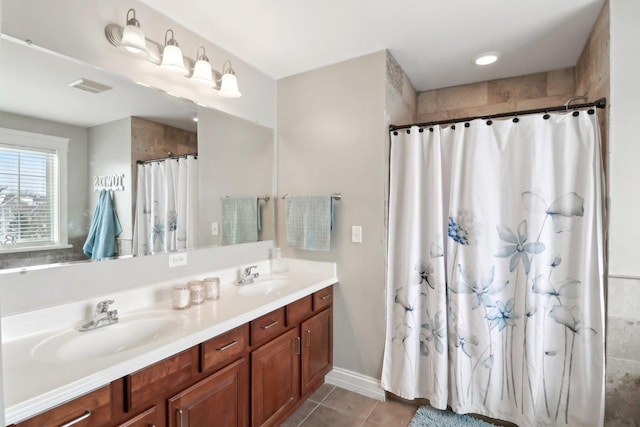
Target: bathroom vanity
250	358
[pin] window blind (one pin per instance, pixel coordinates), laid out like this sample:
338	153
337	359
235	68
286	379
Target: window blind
28	197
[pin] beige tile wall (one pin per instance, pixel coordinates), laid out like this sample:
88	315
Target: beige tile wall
497	96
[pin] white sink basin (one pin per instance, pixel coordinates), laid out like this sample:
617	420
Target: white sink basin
264	286
129	333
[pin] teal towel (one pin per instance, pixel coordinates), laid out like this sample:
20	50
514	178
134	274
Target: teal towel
105	227
240	220
309	222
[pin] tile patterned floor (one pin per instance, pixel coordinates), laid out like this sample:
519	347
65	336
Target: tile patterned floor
336	407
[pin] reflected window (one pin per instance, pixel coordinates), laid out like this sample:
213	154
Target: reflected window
32	191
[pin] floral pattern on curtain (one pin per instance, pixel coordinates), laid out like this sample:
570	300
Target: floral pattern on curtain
166	216
496	269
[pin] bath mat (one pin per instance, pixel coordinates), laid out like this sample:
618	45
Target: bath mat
427	416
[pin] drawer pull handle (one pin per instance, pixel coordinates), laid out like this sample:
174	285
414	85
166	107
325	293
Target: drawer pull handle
308	338
225	347
270	325
324	297
87	414
179	413
297	346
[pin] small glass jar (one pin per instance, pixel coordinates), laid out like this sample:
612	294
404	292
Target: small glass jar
181	297
277	263
211	287
197	292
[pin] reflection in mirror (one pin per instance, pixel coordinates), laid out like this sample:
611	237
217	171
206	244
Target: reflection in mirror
108	132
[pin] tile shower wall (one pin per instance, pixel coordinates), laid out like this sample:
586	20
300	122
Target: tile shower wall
497	96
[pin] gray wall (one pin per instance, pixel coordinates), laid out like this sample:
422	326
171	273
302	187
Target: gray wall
110	154
235	159
332	138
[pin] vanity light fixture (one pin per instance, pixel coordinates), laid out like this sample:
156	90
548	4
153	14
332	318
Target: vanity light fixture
133	37
172	59
202	70
486	58
169	57
229	82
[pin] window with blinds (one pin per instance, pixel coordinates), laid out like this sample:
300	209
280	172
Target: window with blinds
28	197
29	194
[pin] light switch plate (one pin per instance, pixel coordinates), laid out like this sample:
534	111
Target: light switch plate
177	260
356	234
214	229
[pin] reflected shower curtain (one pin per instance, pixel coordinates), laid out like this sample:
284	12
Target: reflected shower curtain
495	269
166	216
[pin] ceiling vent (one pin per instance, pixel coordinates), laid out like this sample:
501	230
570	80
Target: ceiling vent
90	86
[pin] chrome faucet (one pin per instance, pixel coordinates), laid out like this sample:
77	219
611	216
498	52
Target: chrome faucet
102	317
246	276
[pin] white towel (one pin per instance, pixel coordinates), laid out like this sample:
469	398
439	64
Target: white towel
240	220
309	222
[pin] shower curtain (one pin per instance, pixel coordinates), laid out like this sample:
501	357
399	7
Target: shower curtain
496	269
166	216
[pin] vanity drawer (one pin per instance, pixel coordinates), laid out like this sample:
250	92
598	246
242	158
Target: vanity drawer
267	326
224	348
90	410
323	298
144	387
299	310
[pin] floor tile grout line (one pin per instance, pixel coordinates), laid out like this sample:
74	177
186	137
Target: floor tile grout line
309	414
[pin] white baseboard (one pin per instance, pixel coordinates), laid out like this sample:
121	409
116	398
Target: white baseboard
356	383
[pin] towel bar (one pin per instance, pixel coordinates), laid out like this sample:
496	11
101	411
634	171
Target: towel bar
334	196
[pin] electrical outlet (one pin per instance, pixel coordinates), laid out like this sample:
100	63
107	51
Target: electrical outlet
214	229
177	260
356	234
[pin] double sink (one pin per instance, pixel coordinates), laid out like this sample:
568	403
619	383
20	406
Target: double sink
136	330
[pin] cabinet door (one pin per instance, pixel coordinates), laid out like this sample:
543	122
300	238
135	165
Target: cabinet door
317	349
275	376
221	399
148	418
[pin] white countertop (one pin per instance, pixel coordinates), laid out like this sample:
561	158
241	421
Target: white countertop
32	386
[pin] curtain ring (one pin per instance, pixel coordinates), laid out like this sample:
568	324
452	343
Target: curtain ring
408	131
576	113
395	132
420	130
489	122
430	129
467	124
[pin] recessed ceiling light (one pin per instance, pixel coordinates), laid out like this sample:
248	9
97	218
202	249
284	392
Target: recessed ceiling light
486	58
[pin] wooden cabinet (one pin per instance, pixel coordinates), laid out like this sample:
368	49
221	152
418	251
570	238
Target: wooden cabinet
289	368
267	365
275	379
221	399
317	350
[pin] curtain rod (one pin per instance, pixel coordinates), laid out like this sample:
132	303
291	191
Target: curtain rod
600	103
141	162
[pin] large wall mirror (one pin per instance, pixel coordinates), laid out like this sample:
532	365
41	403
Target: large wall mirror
107	133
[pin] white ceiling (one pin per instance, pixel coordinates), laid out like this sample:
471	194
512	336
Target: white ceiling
433	41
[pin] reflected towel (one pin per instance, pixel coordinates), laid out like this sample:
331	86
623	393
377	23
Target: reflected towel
309	222
240	220
105	227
